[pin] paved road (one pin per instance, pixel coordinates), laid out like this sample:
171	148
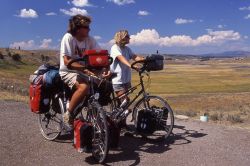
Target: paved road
194	143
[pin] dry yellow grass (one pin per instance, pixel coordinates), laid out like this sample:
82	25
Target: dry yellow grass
13	97
215	86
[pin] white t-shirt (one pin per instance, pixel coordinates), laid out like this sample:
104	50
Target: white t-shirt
123	71
73	48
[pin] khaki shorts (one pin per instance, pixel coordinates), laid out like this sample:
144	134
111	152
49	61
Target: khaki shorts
121	87
70	78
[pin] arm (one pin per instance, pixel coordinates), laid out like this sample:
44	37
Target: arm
76	66
137	57
123	60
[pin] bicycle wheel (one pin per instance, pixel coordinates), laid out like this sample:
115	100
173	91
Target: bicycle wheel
161	113
50	122
100	133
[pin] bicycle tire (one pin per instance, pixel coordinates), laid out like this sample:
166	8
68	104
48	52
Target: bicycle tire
170	115
100	129
47	120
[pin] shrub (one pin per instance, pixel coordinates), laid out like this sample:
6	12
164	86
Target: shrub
1	55
234	118
216	117
16	57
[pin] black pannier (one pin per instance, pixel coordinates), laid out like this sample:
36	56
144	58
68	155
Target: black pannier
104	89
155	62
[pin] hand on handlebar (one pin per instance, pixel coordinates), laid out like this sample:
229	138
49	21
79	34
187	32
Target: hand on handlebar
106	73
88	72
136	68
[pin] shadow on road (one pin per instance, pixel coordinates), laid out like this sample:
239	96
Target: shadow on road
65	138
182	135
130	147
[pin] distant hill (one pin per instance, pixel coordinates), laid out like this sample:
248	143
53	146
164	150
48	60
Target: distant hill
33	57
228	54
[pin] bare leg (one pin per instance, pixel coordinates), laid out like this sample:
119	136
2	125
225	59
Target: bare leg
78	96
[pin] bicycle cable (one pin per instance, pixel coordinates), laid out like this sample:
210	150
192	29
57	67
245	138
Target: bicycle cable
149	81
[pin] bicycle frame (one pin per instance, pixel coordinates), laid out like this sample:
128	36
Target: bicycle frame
115	100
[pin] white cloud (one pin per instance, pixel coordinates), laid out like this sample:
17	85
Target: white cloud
28	13
183	21
121	2
50	14
74	11
143	13
220	26
45	43
98	37
81	3
151	36
31	45
247	17
244	8
245	37
23	44
68	2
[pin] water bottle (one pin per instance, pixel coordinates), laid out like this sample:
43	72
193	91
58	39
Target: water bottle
67	105
124	102
125	113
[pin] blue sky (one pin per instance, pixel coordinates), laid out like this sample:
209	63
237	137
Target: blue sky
170	26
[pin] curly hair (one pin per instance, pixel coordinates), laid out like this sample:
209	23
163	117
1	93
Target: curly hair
120	37
78	21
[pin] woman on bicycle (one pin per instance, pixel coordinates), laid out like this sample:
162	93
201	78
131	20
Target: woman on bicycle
73	44
121	55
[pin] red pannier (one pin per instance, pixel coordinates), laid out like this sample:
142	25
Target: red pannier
96	59
39	102
82	135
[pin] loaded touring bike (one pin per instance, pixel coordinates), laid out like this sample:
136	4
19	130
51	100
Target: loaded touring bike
150	114
52	125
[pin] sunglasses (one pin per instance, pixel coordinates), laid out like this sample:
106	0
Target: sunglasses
85	27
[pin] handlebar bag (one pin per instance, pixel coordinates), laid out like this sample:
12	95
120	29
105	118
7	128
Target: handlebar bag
97	59
154	62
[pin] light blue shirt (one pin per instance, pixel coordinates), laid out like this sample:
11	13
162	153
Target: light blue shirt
123	71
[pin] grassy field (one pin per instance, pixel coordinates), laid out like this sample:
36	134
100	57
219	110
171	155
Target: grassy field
219	87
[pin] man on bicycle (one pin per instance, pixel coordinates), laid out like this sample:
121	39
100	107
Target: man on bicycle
73	44
121	55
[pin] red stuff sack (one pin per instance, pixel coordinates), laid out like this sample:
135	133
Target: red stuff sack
39	102
82	135
97	59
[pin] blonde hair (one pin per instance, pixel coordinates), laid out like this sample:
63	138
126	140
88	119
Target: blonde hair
120	37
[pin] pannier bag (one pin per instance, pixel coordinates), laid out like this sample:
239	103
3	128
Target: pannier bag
114	133
104	89
97	59
39	100
82	135
145	122
43	83
155	62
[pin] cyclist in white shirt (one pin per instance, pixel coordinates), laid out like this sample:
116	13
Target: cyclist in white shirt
73	44
121	55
